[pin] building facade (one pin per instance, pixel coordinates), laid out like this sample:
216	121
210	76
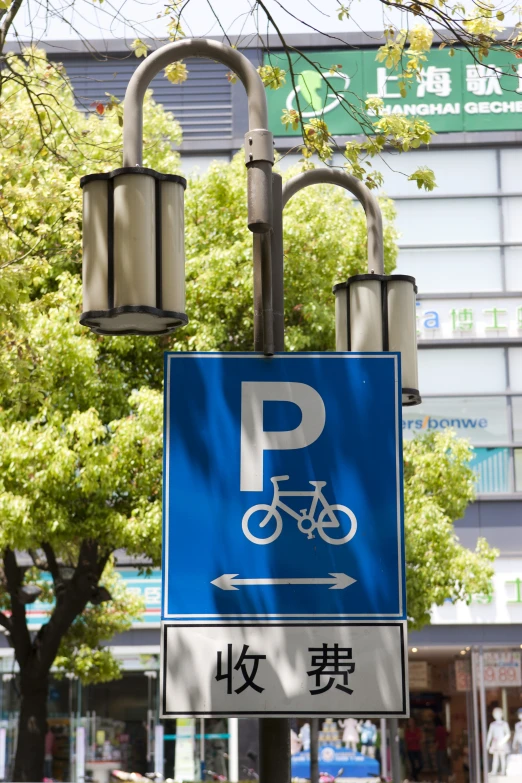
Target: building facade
463	244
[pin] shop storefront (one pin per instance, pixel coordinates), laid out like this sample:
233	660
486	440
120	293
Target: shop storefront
464	701
465	669
96	729
465	696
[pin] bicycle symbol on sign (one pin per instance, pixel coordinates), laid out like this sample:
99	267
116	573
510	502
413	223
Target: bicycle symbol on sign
331	518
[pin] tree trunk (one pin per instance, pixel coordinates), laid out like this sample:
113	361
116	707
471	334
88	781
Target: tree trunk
32	727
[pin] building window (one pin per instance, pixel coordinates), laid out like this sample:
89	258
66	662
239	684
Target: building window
518	470
443	221
510	167
515	368
481	420
455	173
513	256
461	370
512	208
516	407
455	270
492	470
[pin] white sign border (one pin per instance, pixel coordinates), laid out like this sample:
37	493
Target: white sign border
219	618
404	713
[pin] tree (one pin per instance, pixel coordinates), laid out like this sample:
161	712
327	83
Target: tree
325	242
80	447
410	29
73	490
80	472
438	486
40	219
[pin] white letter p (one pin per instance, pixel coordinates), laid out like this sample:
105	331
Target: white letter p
255	441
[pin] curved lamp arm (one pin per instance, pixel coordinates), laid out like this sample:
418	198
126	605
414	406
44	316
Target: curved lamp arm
171	53
324	176
259	151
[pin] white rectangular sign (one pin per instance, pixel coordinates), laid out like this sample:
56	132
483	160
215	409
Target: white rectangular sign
502	669
3	752
278	669
80	754
457	319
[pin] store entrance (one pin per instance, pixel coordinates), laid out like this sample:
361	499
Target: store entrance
435	741
466	716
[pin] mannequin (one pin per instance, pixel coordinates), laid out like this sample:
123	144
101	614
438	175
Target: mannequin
497	741
304	736
368	737
517	738
350	729
295	743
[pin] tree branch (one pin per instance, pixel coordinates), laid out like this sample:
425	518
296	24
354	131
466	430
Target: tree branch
31	249
5	622
74	598
19	631
8	21
38	562
52	563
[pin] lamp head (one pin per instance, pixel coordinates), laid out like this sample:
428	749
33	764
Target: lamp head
133	252
378	313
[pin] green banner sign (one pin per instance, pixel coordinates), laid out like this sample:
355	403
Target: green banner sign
453	93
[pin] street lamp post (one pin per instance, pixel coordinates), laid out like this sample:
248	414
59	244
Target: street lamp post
382	308
134	264
133	252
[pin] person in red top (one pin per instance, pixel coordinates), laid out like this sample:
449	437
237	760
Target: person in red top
49	753
412	740
441	749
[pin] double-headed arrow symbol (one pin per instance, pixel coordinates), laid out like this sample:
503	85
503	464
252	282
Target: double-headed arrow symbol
335	581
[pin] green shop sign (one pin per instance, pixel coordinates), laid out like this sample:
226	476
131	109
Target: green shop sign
453	93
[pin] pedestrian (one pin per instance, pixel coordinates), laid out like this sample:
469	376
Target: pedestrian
49	753
413	739
441	749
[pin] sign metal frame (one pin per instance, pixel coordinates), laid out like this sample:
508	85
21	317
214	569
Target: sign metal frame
188	640
292	617
403	712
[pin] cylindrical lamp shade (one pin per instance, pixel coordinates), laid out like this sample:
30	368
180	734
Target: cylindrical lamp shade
133	252
378	313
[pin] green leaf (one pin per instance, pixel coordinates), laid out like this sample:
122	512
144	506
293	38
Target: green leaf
176	72
424	177
140	48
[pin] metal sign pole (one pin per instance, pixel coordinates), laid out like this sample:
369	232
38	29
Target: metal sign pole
280	197
384	750
314	750
394	748
274	733
274	750
483	717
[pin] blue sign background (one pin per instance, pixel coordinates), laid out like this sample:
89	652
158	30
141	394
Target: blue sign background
332	760
358	454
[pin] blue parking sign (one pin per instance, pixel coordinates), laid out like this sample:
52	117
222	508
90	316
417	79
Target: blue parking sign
283	488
